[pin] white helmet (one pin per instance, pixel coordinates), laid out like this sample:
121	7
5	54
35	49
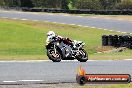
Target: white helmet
51	34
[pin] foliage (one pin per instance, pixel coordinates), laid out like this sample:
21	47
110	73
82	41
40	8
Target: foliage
109	4
88	4
125	4
70	4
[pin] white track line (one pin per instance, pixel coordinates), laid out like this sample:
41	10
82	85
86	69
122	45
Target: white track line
119	31
72	24
119	19
9	81
124	32
46	21
110	30
35	20
86	26
61	23
105	29
100	28
65	15
22	81
5	11
80	25
54	22
26	61
127	59
107	18
92	27
30	80
15	18
79	16
94	17
23	19
5	17
20	12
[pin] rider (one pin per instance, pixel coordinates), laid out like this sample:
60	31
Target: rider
52	36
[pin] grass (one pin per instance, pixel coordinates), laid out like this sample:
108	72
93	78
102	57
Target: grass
107	86
113	56
22	40
68	85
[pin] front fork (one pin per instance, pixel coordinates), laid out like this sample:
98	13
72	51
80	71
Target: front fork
55	49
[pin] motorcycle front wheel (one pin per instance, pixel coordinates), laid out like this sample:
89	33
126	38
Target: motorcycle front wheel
83	57
53	55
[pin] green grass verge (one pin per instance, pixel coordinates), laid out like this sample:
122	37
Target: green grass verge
113	56
26	39
106	86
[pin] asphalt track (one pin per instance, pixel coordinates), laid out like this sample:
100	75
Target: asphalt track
101	23
64	72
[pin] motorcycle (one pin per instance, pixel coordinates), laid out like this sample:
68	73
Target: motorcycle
58	50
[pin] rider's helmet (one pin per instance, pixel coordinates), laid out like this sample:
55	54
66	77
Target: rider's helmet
51	34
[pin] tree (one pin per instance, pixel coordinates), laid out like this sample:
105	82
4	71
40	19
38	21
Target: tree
26	3
64	4
125	4
71	4
7	2
47	3
2	3
88	4
109	4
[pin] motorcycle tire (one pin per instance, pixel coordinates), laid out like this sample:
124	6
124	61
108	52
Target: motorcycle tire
52	57
83	58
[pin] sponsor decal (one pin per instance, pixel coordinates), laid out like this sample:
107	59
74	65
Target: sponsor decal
83	78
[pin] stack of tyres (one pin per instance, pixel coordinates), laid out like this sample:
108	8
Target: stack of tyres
117	41
104	40
121	41
129	46
126	38
110	40
129	42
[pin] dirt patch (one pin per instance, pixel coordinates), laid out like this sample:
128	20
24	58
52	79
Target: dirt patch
110	49
114	17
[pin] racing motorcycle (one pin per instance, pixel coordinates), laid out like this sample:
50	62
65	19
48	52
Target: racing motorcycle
58	50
